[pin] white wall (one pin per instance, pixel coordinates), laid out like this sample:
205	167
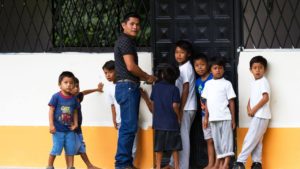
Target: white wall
29	80
284	78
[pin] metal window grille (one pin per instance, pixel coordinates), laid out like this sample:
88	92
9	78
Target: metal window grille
271	23
67	25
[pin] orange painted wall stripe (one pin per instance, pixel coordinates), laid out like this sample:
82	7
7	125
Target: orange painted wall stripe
30	146
281	149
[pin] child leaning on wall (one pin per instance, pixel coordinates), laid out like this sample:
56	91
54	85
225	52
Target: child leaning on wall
259	109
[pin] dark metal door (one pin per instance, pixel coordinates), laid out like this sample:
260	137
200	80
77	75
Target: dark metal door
210	25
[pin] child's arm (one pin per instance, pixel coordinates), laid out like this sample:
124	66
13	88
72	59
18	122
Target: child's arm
260	104
75	120
98	89
146	98
202	103
114	115
249	108
184	96
232	110
176	108
205	122
51	120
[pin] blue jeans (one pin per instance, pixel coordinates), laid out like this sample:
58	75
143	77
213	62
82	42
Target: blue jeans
128	97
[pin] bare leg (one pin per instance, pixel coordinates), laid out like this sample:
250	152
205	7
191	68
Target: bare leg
210	153
51	160
221	163
86	160
217	164
158	156
226	162
176	159
70	161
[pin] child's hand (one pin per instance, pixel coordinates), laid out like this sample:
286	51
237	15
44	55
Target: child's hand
73	127
115	125
179	120
144	94
202	106
233	125
151	79
52	129
100	87
250	112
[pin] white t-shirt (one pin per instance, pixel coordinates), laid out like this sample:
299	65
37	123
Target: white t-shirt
218	92
112	100
258	88
187	75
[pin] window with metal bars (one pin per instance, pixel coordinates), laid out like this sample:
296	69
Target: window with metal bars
271	23
67	25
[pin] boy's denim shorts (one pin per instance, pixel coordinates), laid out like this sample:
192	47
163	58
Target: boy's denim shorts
80	145
66	140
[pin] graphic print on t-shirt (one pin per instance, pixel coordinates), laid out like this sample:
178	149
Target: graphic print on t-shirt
65	117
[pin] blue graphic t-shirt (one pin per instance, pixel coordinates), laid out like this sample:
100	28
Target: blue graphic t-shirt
64	107
200	86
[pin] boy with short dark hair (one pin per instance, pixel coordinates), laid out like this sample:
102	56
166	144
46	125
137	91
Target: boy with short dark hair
63	119
220	112
188	105
258	107
201	67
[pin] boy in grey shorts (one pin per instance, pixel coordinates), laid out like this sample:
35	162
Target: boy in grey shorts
220	112
201	67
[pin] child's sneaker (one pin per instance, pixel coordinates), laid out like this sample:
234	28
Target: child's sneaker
256	165
50	167
238	165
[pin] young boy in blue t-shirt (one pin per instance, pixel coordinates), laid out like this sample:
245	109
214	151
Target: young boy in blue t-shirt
201	67
63	119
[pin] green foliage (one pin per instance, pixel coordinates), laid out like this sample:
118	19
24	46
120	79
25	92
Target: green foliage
96	23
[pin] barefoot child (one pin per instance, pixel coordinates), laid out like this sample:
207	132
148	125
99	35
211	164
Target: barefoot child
202	69
220	112
78	132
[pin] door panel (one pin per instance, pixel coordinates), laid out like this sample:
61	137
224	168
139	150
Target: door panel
209	26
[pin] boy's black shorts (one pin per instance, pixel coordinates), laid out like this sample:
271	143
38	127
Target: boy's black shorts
167	141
